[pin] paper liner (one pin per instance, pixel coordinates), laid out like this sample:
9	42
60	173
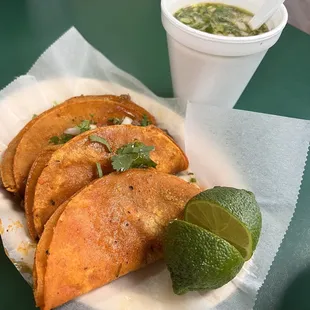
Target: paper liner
265	154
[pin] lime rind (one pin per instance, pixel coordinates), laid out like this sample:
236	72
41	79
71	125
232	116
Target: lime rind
198	259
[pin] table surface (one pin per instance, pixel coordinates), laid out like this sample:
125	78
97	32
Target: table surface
130	34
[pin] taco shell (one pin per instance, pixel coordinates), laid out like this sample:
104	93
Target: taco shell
113	226
73	166
34	137
35	171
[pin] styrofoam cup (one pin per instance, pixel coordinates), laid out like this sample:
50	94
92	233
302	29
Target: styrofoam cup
211	68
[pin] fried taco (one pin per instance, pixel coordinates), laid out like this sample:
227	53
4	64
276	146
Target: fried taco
34	173
74	165
113	226
36	135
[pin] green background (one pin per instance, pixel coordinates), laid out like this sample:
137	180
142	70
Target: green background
130	34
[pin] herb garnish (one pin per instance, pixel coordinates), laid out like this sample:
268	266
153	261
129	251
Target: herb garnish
95	138
133	155
145	121
34	116
99	170
115	120
218	19
84	125
62	139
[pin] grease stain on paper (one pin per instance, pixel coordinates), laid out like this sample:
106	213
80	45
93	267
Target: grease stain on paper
14	226
25	246
1	228
22	267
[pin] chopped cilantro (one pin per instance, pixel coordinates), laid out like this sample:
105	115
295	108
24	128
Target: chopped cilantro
54	140
99	170
133	155
62	139
94	138
192	180
145	121
34	116
84	125
115	120
65	138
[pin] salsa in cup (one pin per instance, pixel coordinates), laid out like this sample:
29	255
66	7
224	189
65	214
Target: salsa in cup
219	19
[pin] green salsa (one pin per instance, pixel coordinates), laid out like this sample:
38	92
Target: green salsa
219	19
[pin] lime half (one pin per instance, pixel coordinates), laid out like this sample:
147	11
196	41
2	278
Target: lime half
231	214
197	259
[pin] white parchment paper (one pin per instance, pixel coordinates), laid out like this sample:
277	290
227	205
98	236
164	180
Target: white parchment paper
268	152
263	153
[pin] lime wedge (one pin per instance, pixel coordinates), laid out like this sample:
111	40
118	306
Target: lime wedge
231	214
198	259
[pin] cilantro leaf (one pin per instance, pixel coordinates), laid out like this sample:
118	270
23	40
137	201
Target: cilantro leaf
145	121
34	116
95	138
54	140
99	170
115	120
133	155
84	125
62	139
